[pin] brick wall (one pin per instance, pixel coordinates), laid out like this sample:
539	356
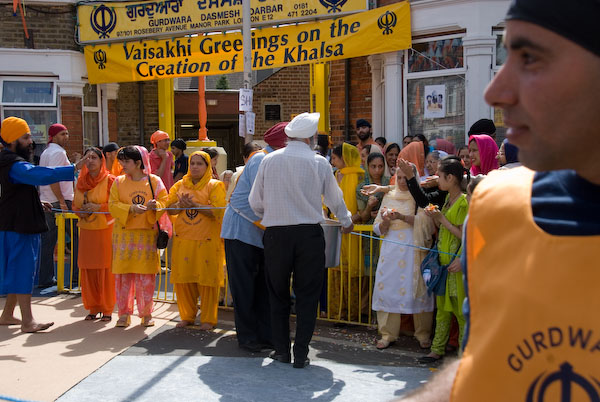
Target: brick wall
71	108
51	27
127	112
360	96
289	87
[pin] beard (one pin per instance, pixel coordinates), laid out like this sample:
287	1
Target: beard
363	136
25	152
313	142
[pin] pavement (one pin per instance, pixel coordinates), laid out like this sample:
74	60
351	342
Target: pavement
185	364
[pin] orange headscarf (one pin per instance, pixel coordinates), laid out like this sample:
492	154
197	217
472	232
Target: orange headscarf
158	136
414	153
86	182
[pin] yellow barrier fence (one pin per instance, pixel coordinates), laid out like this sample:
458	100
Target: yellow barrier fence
64	220
348	287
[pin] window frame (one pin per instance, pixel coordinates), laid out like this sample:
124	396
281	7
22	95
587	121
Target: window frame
54	82
93	109
462	71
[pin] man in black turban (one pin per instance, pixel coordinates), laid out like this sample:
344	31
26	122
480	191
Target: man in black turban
533	232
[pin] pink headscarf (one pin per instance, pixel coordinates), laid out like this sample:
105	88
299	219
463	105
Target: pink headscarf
164	222
487	154
145	158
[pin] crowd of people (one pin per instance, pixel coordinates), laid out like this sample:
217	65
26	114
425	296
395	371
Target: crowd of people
263	223
125	196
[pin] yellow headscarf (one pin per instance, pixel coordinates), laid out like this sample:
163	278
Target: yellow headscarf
187	179
353	174
13	128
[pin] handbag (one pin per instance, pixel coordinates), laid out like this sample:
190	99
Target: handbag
434	274
162	240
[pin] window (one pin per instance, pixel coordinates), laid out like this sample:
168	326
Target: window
436	55
500	59
434	92
452	125
32	99
32	93
91	116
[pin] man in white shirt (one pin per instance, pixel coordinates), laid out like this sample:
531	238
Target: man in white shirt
288	192
60	195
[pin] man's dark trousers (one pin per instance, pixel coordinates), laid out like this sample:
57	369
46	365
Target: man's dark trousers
248	285
297	250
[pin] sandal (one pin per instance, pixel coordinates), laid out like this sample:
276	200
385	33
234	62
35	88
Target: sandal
123	321
147	321
383	344
91	317
424	344
106	317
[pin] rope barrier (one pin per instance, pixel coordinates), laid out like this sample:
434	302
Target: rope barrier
209	208
67	211
404	244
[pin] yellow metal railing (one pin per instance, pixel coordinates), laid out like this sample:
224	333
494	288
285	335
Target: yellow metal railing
62	220
349	286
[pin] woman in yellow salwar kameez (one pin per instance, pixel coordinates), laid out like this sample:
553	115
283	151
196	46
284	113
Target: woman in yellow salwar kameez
346	158
133	202
197	262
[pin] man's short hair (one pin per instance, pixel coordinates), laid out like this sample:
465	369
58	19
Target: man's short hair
179	144
362	123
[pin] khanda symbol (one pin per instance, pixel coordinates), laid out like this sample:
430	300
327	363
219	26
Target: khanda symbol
100	59
566	379
191	213
103	20
387	21
333	6
138	199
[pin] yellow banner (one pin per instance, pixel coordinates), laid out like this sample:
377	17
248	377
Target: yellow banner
381	30
120	21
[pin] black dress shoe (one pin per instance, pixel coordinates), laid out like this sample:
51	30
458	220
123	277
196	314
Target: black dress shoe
251	347
280	357
266	346
301	363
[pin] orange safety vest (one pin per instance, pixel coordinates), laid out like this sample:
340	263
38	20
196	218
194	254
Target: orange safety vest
534	300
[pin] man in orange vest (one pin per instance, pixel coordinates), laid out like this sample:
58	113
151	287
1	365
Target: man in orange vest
532	235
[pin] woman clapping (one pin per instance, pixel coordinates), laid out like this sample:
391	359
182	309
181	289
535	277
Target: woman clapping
197	262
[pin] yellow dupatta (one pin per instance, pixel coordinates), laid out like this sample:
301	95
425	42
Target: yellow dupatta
352	175
187	178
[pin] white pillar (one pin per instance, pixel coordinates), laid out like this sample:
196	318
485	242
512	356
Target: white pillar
377	115
478	52
392	70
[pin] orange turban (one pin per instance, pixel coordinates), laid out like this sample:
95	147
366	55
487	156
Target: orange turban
158	136
13	128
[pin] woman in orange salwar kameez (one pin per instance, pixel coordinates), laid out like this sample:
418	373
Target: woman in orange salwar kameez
95	236
197	262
